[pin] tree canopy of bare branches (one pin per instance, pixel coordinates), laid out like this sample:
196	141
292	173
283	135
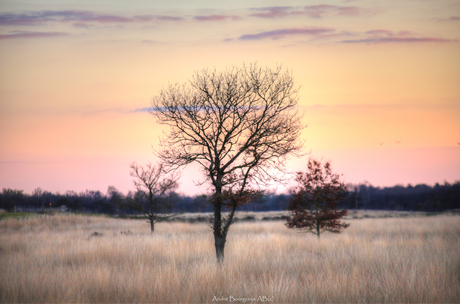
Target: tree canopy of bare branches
312	205
239	125
154	185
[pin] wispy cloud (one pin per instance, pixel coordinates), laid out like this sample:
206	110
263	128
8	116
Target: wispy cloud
83	18
281	33
387	36
217	17
27	34
168	18
322	10
330	35
43	17
141	110
156	18
397	39
87	19
274	12
80	25
452	18
313	11
36	18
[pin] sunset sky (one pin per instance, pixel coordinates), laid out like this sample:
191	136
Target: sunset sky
380	83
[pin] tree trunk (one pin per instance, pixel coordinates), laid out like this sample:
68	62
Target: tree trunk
152	225
220	246
219	236
317	231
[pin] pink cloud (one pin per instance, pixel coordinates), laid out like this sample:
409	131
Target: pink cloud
80	24
388	33
168	18
396	39
20	20
452	18
40	17
314	11
405	33
387	36
318	11
274	12
107	19
144	17
43	17
216	18
350	11
156	17
323	10
380	33
26	34
36	18
281	33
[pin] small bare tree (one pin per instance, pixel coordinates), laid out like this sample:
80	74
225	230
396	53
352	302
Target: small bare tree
154	185
313	204
238	125
38	195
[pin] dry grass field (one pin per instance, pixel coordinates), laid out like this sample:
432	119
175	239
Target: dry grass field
396	260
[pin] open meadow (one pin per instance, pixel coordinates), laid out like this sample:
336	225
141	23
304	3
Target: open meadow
399	260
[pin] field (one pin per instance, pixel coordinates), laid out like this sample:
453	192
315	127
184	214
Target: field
58	259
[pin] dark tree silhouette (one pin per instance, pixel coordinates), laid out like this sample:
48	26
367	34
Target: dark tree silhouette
12	198
312	206
154	185
238	125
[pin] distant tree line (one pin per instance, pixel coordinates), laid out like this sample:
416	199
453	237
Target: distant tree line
364	196
410	198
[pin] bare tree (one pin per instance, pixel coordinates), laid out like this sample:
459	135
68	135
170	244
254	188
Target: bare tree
40	195
153	198
238	125
313	204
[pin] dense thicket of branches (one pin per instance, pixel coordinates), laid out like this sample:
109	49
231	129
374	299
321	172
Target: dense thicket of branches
313	204
238	125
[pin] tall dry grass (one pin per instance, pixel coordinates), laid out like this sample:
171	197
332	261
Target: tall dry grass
375	260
